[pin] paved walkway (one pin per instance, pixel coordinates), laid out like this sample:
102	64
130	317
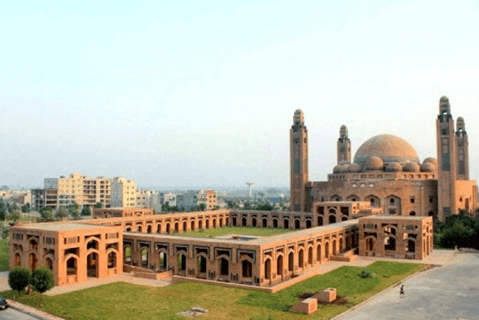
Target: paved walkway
447	292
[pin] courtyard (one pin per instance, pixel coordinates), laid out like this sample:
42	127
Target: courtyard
235	231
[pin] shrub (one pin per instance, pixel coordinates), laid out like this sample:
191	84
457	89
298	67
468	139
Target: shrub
43	279
366	274
19	278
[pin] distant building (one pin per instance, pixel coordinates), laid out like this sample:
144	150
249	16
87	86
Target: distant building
123	193
209	198
148	199
76	188
169	198
38	198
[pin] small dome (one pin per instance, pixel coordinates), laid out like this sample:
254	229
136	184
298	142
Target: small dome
394	167
430	160
337	169
444	98
354	168
411	167
374	163
344	168
428	167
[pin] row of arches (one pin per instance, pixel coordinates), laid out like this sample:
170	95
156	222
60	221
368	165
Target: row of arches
177	226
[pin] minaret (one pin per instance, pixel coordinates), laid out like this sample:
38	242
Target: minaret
299	162
462	145
344	146
446	157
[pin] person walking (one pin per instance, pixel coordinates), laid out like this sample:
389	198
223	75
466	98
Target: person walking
401	291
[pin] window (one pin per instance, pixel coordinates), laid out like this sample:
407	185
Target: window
413	200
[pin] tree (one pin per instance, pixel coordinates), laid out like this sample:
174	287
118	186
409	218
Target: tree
2	210
19	278
98	205
14	215
202	207
61	213
86	211
42	280
5	232
26	208
73	211
46	213
166	207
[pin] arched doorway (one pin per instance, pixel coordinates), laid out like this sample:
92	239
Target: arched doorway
301	258
267	269
127	255
318	253
207	224
144	258
148	229
275	223
290	261
320	221
234	221
92	264
202	264
162	261
286	224
72	266
279	265
214	223
253	222
335	247
332	219
32	261
177	227
192	226
247	269
158	228
49	263
224	267
243	222
265	223
310	256
181	262
297	224
168	229
308	224
112	260
326	250
185	226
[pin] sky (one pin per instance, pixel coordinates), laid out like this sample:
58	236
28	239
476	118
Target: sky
202	93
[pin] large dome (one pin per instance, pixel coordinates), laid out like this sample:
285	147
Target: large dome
388	148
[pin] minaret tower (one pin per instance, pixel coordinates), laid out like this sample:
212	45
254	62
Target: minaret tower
462	145
344	146
446	157
299	162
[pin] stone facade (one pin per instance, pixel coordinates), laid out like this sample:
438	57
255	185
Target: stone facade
396	237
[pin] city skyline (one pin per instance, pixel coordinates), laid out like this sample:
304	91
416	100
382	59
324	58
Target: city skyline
205	96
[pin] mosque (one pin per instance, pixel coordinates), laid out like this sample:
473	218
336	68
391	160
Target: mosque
380	204
387	173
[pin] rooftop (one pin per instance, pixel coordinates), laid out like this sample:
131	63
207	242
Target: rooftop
59	226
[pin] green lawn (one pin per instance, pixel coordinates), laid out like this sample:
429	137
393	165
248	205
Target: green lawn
127	301
4	255
205	233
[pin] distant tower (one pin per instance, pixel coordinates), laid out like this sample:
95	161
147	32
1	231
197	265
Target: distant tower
299	162
250	186
344	146
462	144
446	157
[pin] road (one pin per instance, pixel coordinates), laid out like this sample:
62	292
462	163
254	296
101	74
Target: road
447	292
12	314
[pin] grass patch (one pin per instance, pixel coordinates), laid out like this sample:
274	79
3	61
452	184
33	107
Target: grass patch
128	301
4	255
249	231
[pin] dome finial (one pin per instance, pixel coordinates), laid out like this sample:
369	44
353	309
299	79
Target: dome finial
343	132
298	118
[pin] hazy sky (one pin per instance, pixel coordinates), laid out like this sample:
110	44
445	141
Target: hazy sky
202	93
